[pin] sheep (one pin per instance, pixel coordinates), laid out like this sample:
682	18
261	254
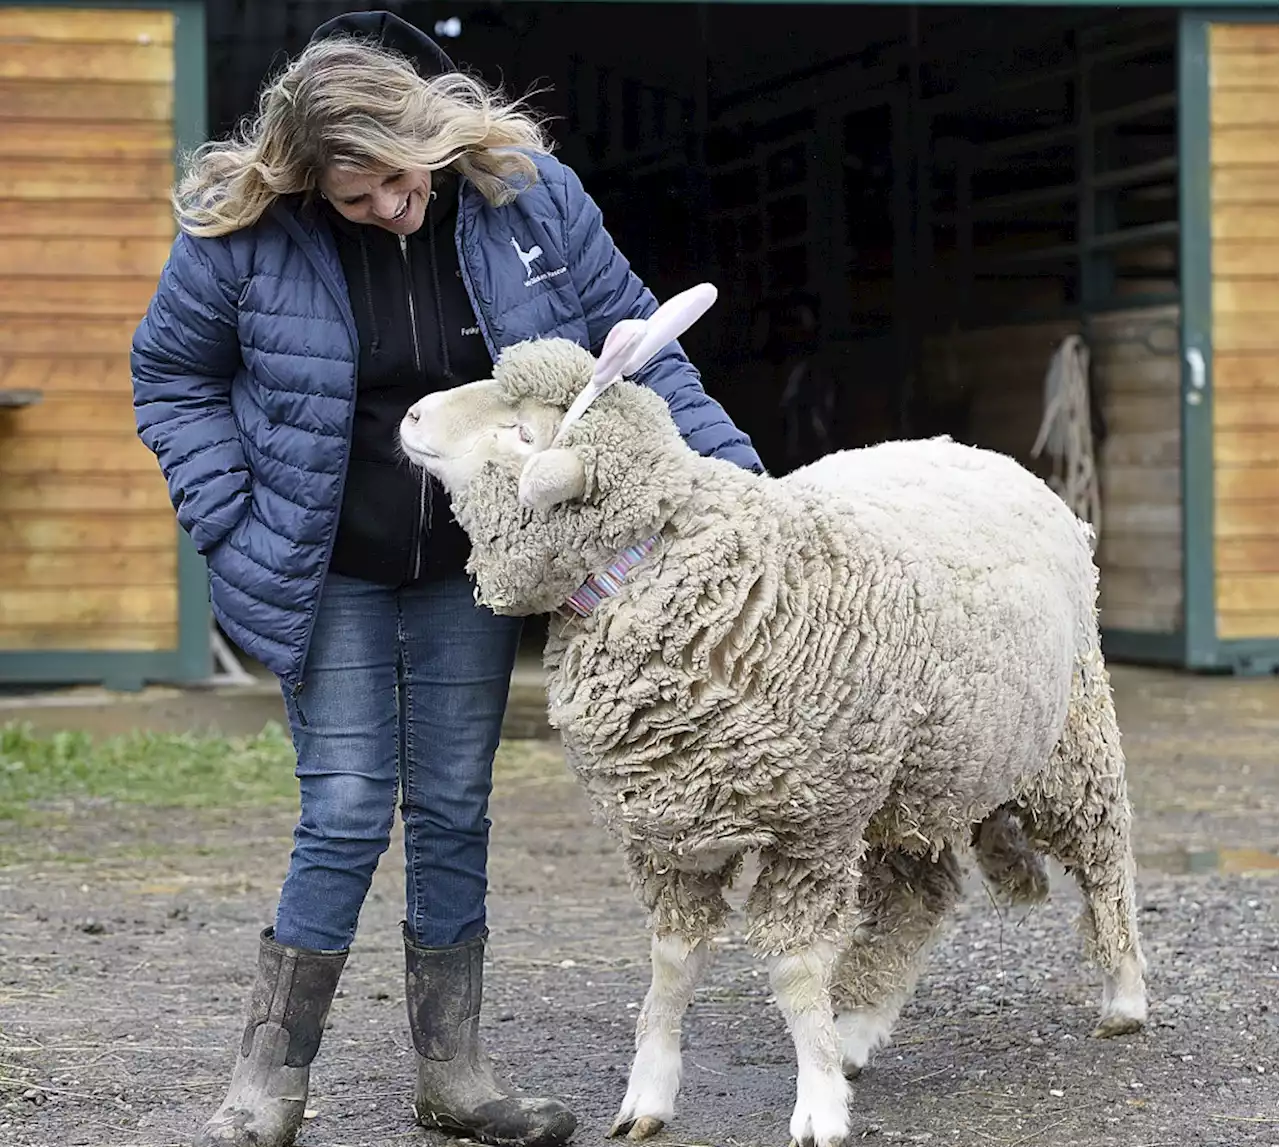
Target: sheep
854	672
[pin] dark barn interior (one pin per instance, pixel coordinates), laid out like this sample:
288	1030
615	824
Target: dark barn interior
918	202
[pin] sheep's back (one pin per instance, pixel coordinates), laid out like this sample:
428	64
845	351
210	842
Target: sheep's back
1004	577
960	514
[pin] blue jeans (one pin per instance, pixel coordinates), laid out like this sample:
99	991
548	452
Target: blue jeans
404	696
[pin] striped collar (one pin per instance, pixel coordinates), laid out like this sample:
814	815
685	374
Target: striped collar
608	583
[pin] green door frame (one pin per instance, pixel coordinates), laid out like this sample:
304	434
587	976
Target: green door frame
1199	631
192	659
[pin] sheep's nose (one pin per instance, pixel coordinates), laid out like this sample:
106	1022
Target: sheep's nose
414	414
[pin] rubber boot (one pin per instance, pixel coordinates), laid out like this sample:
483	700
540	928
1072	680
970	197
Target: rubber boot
458	1090
287	1013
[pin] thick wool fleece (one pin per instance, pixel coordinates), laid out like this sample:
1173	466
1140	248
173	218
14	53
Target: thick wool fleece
876	651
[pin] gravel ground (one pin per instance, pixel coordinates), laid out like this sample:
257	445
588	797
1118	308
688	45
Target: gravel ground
122	978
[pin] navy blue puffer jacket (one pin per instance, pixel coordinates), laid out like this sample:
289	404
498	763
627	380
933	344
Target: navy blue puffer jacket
244	381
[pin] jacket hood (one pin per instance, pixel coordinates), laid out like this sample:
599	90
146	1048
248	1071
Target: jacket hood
389	31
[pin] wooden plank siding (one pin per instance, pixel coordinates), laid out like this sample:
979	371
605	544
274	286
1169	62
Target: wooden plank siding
1245	231
1136	376
88	542
1135	368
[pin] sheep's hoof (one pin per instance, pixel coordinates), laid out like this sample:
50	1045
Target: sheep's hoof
643	1128
1117	1025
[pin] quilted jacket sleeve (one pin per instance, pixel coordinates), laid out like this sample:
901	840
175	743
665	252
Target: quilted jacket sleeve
185	353
610	291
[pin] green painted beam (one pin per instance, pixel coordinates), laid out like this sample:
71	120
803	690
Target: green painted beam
190	100
1198	626
1128	645
192	659
1255	657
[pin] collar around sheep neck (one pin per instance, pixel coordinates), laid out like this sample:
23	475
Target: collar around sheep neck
609	581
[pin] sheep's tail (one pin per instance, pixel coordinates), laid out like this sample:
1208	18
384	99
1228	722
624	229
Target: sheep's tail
1010	865
1086	596
1089	534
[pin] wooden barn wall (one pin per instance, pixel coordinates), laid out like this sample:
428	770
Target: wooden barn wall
994	379
88	548
1136	376
1246	300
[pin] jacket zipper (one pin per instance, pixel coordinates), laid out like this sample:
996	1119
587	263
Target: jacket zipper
417	362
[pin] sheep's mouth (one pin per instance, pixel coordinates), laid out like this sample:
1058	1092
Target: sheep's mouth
418	456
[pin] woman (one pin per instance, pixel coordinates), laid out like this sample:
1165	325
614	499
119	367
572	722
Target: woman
383	228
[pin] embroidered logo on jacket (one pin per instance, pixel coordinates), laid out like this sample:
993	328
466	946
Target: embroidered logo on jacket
528	257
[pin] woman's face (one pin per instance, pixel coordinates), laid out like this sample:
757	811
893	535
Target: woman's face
395	201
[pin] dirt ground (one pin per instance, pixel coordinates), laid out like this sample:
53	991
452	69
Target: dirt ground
122	979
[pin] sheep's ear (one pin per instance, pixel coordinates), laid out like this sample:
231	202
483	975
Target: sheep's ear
552	478
633	342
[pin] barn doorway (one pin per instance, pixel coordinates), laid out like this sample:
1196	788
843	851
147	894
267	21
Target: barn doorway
925	200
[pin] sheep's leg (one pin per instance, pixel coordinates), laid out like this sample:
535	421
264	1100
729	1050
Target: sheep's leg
686	909
801	982
904	899
678	962
798	910
1079	813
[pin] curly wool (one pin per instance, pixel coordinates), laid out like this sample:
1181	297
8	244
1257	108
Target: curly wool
876	651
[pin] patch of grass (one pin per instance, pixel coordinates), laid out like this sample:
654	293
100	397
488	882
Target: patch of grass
37	772
529	761
41	772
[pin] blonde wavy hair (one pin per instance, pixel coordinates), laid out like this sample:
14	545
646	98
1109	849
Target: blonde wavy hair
345	102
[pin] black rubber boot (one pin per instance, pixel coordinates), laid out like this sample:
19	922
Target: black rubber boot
287	1013
457	1089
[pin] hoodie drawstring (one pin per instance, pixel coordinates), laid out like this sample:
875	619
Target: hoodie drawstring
426	491
375	339
435	286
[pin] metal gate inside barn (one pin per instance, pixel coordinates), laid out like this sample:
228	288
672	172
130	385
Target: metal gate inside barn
967	193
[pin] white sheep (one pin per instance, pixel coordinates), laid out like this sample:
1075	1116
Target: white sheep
855	671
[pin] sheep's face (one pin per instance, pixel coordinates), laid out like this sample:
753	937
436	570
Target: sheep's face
541	517
454	434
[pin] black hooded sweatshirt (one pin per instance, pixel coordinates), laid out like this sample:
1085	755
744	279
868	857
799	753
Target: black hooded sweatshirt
418	333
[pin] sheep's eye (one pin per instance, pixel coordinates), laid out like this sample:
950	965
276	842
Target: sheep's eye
526	435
